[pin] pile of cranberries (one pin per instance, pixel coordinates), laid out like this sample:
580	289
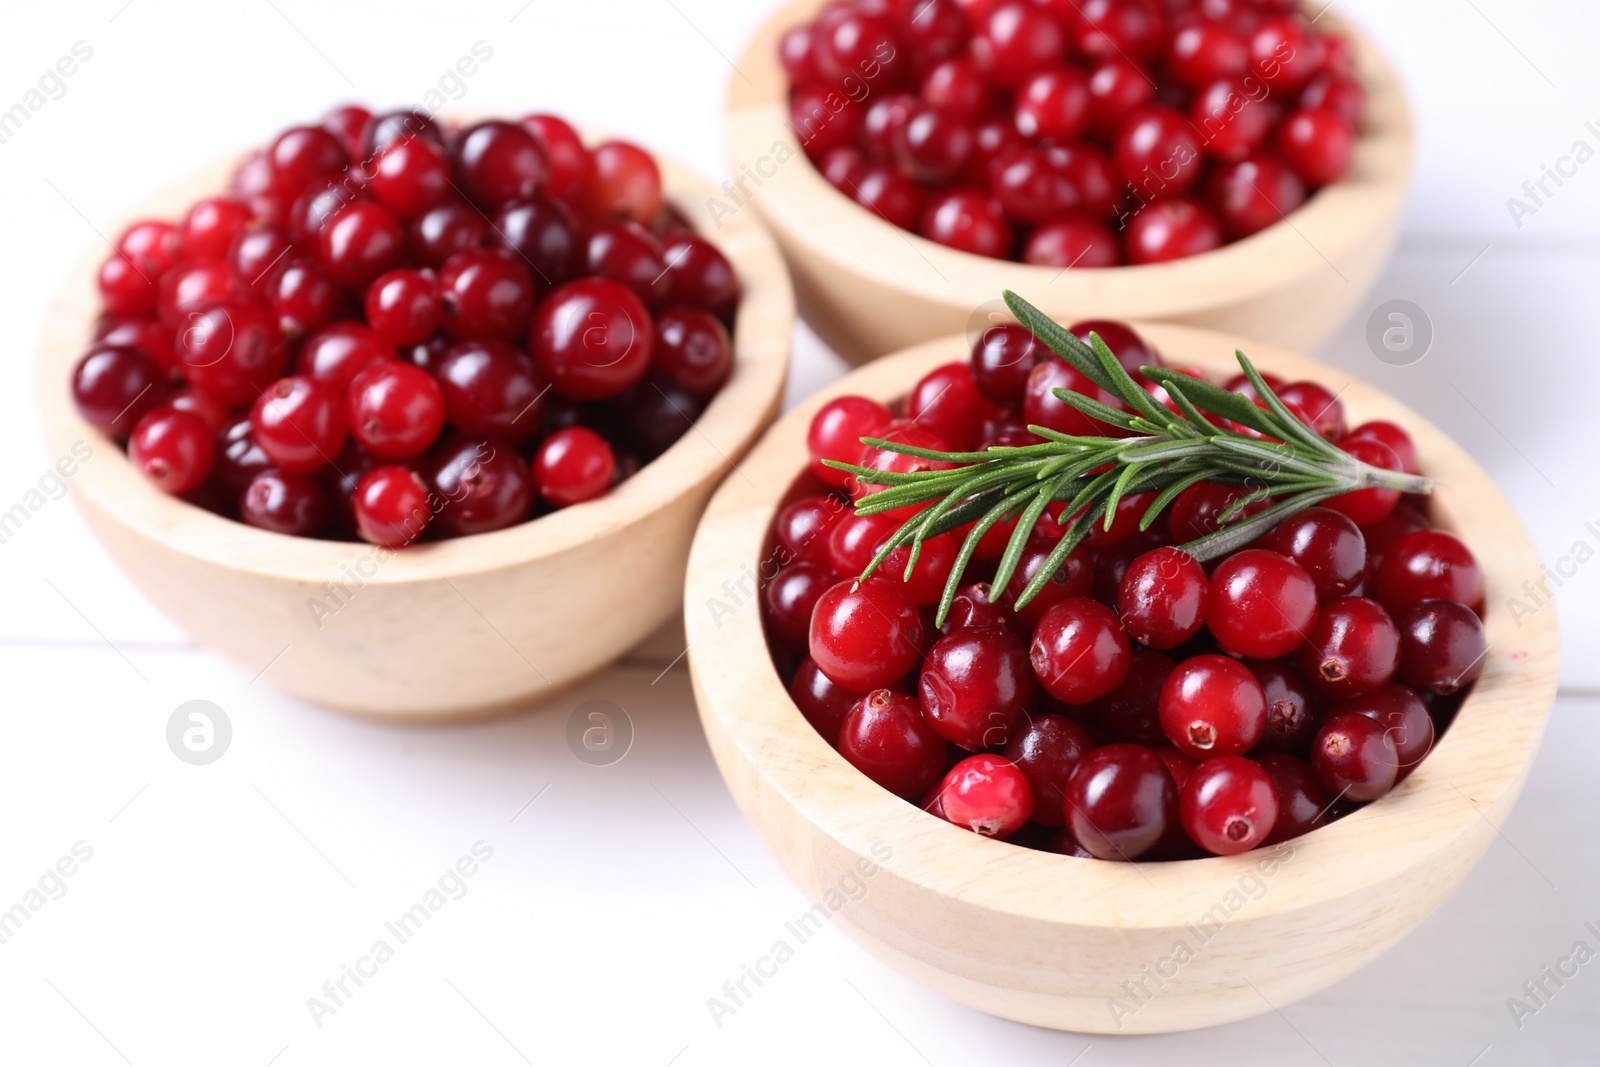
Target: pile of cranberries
392	329
1074	133
1143	705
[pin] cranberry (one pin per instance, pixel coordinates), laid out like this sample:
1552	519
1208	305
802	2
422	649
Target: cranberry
885	737
391	506
630	254
1162	599
396	125
575	465
1285	51
1327	545
867	636
1014	40
823	703
974	607
957	87
311	214
302	297
349	124
299	423
1204	50
174	449
114	387
485	294
147	336
1053	104
883	122
855	540
701	275
402	307
304	156
592	339
1398	441
968	221
151	247
1075	240
360	242
212	411
1041	406
445	230
1131	28
394	410
256	251
1232	118
693	349
1318	144
1031	187
1402	714
1211	705
1080	651
652	415
1046	751
544	234
1355	757
564	152
338	352
1254	193
801	530
1302	803
231	351
410	175
787	600
484	487
1442	646
947	401
1120	801
210	226
976	687
188	288
1117	88
1002	359
1228	805
490	389
1196	512
1262	604
933	146
239	459
1074	578
497	161
1131	350
933	30
1339	93
884	460
822	119
1291	706
1428	565
1158	152
623	184
1131	711
1171	229
797	53
1353	648
852	45
1382	535
285	503
986	794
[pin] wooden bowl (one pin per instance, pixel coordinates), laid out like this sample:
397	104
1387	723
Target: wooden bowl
461	628
868	287
1087	945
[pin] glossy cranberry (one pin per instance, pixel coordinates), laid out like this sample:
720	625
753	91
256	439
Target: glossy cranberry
855	540
1073	241
1030	187
1162	599
1327	544
231	351
315	208
957	87
592	339
396	125
1196	512
976	687
973	607
1053	104
490	389
286	503
1429	565
1212	705
1367	506
1120	801
303	156
1228	805
402	307
496	162
256	251
447	229
394	410
1302	802
1382	535
1204	50
173	449
575	465
624	184
933	146
144	335
1041	406
1117	88
543	233
986	794
1318	143
299	422
994	142
151	247
1285	51
801	529
629	254
1074	578
349	123
902	432
192	287
701	275
1353	648
1158	152
1046	751
1232	117
933	30
391	506
1002	359
851	46
238	458
1131	350
1354	757
1339	93
484	487
485	294
823	120
1394	437
1252	194
1171	229
301	296
947	401
564	152
797	53
836	432
693	349
823	703
210	226
114	387
213	412
968	221
409	176
788	599
1292	706
1080	651
1104	28
1131	711
1442	646
1262	604
339	351
867	636
885	737
360	242
1402	714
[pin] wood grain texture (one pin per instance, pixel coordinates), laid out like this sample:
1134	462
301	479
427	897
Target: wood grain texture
1052	940
867	287
437	632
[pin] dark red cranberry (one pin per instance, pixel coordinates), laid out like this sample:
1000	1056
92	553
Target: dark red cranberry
286	503
823	703
490	389
565	153
394	410
450	228
1232	117
1213	706
592	339
1002	359
1120	801
1046	751
1014	40
1291	706
701	275
349	123
301	296
797	53
1302	802
213	412
1075	240
788	599
865	636
1318	143
855	46
486	294
1104	28
173	449
1080	651
693	349
968	221
544	234
652	415
1429	565
410	175
303	156
972	607
496	162
1442	646
1354	757
626	252
1328	545
1073	579
256	251
1158	152
976	687
399	125
402	307
1285	51
957	87
147	336
1041	406
1163	598
1402	714
232	351
890	195
1204	50
299	423
885	737
114	387
192	287
391	506
484	487
1340	93
1131	711
1197	511
360	242
1117	88
823	119
339	351
238	458
801	529
933	146
1254	193
947	402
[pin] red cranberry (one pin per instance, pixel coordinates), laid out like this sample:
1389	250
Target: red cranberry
1031	187
1382	535
286	503
256	251
976	687
1053	104
1131	711
391	507
957	87
855	540
396	125
882	459
210	226
303	156
933	146
968	221
592	339
1171	229
623	184
823	703
1163	598
1196	511
1073	579
339	351
147	336
496	162
1120	801
1262	605
188	288
1353	648
836	432
114	387
409	176
565	153
701	275
630	254
447	229
575	465
1014	40
212	411
173	449
787	600
1442	646
1075	240
801	530
1354	757
1131	28
1002	359
1213	706
1291	706
823	119
1367	506
238	458
1228	805
986	794
933	30
885	737
485	294
1339	93
1117	88
231	351
1080	651
1158	152
349	124
360	242
1327	544
1402	714
851	46
947	401
544	234
973	607
299	422
402	307
1204	50
797	53
1046	751
490	389
1232	118
1318	143
865	636
302	297
1302	803
1254	193
484	487
1429	565
1398	441
693	349
151	247
1041	406
1285	51
394	410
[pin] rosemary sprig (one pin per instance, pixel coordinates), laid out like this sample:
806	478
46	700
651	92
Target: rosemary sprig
1167	453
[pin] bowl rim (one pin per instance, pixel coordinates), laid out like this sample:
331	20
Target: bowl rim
761	338
1332	223
1474	772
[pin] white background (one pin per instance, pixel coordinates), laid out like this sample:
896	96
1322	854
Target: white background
219	899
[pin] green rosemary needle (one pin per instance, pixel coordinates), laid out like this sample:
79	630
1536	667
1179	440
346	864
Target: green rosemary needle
1166	453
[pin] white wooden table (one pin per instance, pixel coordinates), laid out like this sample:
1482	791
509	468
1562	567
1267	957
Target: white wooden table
207	906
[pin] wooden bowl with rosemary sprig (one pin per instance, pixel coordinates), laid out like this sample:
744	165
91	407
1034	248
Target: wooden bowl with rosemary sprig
1089	945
